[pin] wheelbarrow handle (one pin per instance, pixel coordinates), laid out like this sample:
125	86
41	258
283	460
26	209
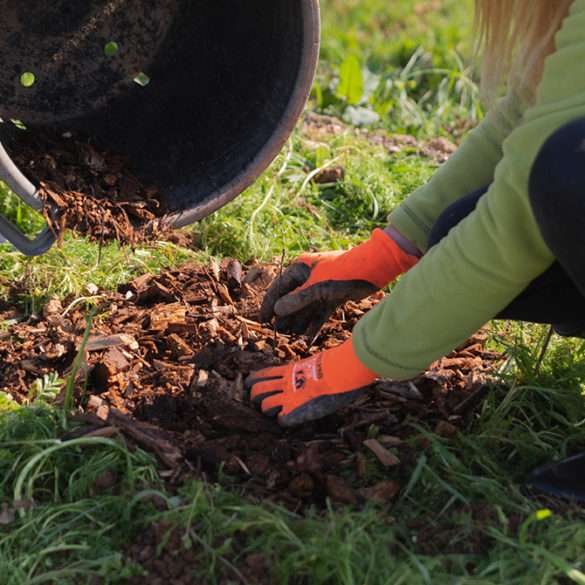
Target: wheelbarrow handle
13	177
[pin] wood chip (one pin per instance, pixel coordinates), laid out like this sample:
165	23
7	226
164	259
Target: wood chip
167	453
234	274
258	276
103	412
302	485
385	457
339	490
446	429
164	317
329	175
181	374
215	270
361	464
101	342
178	345
224	294
202	379
7	515
390	441
53	307
115	360
383	492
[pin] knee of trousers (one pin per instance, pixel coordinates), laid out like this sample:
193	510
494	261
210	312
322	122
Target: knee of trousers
453	214
557	179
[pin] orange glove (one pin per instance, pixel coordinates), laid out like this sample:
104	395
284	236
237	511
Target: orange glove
311	388
306	294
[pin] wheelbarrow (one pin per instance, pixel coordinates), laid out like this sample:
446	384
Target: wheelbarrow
199	95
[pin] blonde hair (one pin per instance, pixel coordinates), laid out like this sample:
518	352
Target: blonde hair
515	37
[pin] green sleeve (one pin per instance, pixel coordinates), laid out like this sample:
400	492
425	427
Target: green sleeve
470	168
493	254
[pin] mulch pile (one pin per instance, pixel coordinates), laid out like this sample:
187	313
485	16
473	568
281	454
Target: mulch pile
165	367
88	189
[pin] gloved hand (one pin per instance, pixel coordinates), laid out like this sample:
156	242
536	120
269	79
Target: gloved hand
310	290
311	388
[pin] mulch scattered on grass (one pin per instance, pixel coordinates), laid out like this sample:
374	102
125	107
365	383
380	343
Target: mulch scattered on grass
318	127
89	190
165	366
162	553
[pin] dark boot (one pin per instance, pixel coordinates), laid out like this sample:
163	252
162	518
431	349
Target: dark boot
576	329
565	479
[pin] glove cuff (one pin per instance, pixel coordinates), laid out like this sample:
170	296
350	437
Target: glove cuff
389	259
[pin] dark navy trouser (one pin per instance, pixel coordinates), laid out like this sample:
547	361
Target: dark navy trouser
557	195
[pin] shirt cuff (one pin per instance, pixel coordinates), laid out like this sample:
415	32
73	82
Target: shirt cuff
374	359
407	222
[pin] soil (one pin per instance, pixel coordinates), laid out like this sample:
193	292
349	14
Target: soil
162	553
88	189
165	367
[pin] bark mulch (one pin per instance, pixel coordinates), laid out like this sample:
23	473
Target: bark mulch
88	189
165	367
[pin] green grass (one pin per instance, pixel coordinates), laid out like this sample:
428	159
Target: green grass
300	216
416	73
70	269
462	517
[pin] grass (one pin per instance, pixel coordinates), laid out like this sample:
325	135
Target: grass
462	517
69	270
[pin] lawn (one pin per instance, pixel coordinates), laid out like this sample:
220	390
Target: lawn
399	92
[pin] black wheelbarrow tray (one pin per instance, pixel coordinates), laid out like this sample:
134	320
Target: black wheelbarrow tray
198	95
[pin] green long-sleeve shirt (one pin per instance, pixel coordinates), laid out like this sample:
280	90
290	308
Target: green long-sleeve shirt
492	255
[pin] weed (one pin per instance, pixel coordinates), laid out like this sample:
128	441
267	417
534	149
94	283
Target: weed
45	389
77	363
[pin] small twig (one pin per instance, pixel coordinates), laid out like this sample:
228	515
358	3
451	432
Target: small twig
369	420
314	338
280	269
242	465
544	350
100	244
471	400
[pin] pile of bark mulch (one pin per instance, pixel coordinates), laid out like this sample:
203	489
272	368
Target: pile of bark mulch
165	367
88	189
